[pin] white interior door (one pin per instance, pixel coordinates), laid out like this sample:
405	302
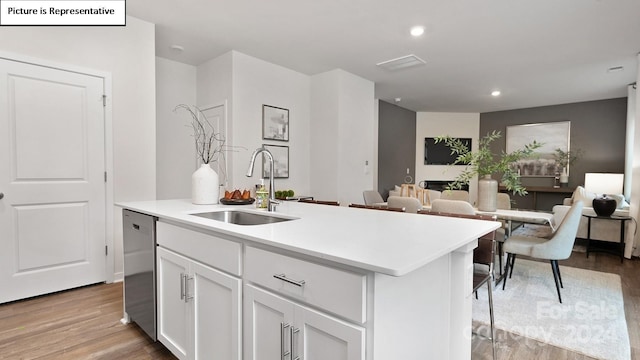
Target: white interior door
52	163
217	116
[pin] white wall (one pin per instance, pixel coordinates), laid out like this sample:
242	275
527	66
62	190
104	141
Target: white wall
128	53
215	87
344	130
356	137
175	151
257	82
431	124
324	129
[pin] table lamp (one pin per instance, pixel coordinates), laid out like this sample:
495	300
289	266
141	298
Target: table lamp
603	184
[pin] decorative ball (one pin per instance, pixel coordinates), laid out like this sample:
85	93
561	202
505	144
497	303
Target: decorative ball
604	205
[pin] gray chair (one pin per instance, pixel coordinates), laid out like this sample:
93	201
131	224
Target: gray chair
372	197
410	204
559	247
455	195
452	206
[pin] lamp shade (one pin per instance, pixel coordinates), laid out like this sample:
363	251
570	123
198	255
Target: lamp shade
603	183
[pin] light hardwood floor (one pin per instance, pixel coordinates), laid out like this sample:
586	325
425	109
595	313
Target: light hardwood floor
85	324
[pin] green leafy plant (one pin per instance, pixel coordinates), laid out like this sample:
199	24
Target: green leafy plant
483	162
565	158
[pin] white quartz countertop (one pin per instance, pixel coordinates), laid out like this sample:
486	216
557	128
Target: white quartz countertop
381	241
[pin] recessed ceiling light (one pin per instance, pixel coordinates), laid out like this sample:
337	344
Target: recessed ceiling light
177	48
417	30
495	93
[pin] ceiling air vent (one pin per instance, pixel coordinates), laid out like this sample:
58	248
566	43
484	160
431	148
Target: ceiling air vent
401	63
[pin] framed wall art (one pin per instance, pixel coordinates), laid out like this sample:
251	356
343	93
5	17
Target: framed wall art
275	123
553	135
280	161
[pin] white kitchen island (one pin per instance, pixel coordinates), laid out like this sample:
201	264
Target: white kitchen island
334	283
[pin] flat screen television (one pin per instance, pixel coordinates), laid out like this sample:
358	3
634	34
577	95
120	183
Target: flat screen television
440	154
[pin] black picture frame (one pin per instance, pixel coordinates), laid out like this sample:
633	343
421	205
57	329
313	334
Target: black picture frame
280	161
275	123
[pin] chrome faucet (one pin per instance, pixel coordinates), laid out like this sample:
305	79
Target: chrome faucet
271	202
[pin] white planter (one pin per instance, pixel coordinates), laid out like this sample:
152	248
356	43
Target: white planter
564	178
487	193
205	186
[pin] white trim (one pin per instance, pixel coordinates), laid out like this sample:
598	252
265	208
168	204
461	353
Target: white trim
108	163
108	138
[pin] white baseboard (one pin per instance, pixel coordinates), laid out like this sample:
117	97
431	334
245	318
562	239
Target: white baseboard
118	277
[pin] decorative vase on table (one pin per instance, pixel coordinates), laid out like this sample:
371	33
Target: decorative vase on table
487	193
604	205
564	178
205	187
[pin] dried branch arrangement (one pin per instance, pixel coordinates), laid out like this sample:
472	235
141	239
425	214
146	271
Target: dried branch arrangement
210	144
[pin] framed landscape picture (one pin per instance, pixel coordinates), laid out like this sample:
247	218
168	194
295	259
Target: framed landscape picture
280	161
275	123
553	135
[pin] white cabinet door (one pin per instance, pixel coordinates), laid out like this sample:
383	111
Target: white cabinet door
173	310
276	328
267	325
198	309
216	314
321	337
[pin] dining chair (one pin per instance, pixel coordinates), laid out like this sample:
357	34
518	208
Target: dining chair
375	207
483	255
452	206
455	195
320	202
559	247
410	204
372	197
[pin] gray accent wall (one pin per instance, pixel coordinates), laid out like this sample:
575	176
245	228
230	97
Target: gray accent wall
598	128
396	145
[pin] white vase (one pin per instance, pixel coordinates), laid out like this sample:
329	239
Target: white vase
205	186
564	178
487	193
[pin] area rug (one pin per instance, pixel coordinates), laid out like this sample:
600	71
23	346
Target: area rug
590	320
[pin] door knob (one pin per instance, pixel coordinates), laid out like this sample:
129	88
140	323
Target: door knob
1	196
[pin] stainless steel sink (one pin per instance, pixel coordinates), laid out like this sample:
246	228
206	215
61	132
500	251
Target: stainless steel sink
241	217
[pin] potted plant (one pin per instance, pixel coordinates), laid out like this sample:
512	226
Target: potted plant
205	184
483	163
563	159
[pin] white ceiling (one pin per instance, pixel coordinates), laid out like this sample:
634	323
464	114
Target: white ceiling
537	52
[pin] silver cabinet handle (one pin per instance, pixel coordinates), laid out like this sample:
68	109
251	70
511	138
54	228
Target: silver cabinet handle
283	277
1	196
182	286
283	353
187	297
293	351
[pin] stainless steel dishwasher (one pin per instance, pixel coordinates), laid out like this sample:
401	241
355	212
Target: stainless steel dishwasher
139	237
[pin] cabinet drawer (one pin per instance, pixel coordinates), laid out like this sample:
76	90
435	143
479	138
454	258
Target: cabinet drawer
338	291
208	249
